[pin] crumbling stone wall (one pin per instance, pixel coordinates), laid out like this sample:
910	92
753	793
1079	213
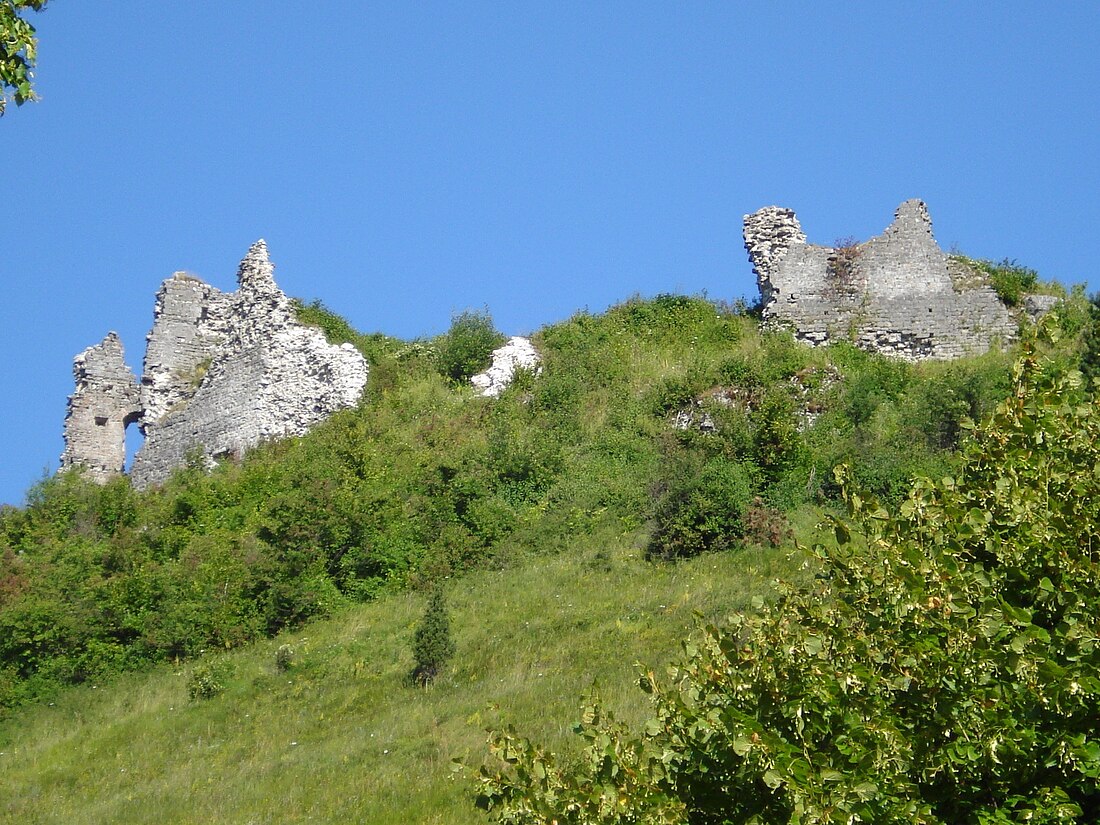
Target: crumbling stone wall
190	321
222	372
105	401
896	293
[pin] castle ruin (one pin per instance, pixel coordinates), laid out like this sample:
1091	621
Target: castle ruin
897	293
222	373
225	371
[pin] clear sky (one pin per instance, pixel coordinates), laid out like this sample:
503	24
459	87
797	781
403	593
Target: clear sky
406	161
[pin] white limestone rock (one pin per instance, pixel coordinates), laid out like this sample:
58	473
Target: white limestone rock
517	353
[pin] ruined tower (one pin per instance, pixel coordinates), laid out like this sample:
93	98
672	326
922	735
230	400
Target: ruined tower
104	402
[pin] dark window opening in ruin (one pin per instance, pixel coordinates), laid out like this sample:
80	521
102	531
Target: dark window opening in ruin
101	420
133	436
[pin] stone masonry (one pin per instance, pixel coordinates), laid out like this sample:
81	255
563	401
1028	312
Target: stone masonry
222	373
897	293
190	321
106	399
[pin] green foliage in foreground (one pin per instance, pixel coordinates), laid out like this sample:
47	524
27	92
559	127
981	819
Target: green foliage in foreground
945	668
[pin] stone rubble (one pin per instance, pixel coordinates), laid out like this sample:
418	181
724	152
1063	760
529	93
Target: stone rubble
517	353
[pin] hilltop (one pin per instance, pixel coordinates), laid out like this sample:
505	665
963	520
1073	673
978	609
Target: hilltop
660	463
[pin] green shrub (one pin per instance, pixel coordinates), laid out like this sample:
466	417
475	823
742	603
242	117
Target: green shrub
209	678
433	646
284	657
777	441
466	347
702	511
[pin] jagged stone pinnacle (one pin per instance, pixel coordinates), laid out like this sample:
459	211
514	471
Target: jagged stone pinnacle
256	272
913	214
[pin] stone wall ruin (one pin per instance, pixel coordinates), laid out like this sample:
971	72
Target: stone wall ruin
222	373
897	293
104	402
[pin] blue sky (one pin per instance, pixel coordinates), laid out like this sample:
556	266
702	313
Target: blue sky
406	161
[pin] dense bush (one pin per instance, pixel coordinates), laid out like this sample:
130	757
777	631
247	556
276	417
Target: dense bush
944	669
703	510
464	350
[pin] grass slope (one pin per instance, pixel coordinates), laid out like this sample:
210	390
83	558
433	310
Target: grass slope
344	736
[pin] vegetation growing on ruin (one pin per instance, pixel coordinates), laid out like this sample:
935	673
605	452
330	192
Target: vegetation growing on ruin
1009	279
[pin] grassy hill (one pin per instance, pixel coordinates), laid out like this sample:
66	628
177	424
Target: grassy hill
657	467
343	735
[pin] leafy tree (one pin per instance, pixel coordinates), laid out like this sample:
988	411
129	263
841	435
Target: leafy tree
433	646
945	668
18	51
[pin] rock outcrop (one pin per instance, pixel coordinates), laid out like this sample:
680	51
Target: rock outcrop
897	293
105	401
517	353
222	373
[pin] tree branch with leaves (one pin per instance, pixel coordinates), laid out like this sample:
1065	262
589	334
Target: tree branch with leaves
18	51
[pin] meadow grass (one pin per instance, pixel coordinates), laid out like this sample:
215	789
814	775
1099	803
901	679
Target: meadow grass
344	735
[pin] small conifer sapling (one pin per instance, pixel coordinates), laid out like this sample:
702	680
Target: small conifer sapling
433	646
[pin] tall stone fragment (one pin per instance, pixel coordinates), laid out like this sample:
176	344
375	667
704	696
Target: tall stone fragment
264	375
190	321
897	293
106	399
